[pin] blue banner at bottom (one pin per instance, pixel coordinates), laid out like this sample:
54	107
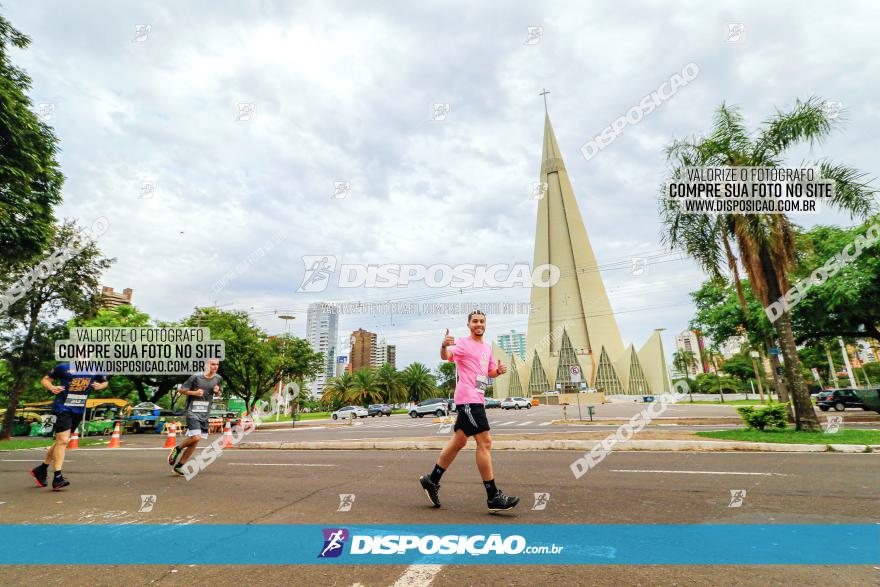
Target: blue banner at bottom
616	544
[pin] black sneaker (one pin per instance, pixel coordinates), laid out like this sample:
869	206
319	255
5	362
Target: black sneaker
501	502
173	456
179	470
39	475
58	482
432	490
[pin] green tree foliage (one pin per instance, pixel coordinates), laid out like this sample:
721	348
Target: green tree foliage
846	303
30	178
30	328
419	382
765	242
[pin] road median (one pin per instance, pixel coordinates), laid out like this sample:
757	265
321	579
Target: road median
706	445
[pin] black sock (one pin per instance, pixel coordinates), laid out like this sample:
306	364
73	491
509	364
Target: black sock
491	490
42	466
436	474
58	473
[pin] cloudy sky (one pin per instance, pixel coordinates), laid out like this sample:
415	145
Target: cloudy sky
241	117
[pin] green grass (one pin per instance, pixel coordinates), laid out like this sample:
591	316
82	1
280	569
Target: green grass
792	436
19	443
736	402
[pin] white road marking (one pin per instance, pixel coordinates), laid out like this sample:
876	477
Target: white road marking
29	460
281	465
547	423
505	423
698	472
418	576
526	423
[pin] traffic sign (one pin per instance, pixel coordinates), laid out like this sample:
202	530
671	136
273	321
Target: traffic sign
575	372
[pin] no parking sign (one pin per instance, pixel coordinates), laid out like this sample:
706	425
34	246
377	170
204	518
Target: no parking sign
575	372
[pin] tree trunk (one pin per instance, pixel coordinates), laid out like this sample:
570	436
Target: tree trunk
804	413
18	386
12	406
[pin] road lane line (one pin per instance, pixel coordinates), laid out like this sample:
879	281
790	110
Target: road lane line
281	465
505	423
526	423
547	423
699	472
418	576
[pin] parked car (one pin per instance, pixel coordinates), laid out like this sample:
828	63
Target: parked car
839	399
436	406
515	403
350	412
379	410
492	403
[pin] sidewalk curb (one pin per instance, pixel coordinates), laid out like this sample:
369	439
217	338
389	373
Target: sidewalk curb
581	445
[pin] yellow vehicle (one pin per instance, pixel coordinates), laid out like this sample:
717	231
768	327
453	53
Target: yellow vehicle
100	417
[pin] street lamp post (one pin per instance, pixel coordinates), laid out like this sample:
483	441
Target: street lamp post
287	318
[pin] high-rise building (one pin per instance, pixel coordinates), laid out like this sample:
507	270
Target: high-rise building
111	299
364	351
689	341
385	353
341	364
571	323
321	332
513	343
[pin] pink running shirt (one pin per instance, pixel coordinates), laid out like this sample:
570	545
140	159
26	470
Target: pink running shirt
474	360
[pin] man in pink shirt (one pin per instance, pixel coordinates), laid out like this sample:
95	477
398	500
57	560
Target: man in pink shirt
475	365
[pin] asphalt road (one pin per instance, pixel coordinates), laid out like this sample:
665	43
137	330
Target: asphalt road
299	487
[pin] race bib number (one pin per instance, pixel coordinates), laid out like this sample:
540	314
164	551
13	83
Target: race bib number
76	400
200	407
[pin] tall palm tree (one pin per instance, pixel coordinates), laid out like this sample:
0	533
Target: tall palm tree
390	383
337	390
765	242
419	382
364	388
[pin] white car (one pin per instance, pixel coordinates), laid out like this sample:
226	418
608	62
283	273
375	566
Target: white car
515	403
350	412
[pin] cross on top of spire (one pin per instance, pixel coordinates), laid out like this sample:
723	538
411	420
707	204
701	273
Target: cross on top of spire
544	94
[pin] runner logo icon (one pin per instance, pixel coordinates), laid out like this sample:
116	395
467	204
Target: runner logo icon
334	541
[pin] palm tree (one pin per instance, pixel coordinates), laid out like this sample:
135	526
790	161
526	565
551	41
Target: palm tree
419	382
364	388
337	390
765	242
683	361
390	383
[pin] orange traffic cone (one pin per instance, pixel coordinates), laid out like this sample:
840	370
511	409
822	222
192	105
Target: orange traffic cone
114	438
74	441
171	437
227	436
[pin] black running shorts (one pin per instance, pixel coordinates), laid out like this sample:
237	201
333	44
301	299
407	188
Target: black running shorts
65	421
471	419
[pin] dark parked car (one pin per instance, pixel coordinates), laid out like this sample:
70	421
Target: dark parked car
493	403
839	399
379	410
